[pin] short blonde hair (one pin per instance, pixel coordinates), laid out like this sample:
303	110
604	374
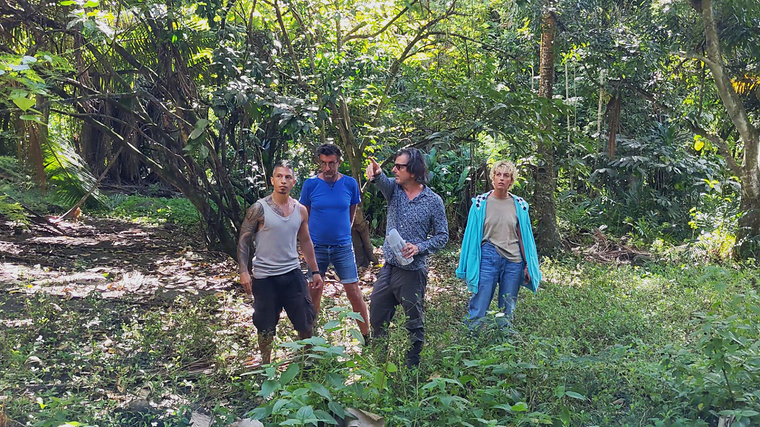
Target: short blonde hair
506	167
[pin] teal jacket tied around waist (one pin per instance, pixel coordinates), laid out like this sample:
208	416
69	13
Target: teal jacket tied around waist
469	259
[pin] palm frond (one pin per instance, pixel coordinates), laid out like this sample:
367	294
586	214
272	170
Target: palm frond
746	84
68	172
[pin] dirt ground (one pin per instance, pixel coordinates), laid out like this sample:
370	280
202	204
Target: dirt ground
129	267
119	260
115	258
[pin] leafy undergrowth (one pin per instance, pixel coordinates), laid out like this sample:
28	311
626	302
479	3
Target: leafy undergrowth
153	210
599	344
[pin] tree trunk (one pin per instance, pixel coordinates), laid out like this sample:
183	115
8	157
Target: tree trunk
748	235
360	238
363	249
613	109
38	136
547	236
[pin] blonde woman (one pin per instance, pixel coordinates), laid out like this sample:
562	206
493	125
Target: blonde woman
498	247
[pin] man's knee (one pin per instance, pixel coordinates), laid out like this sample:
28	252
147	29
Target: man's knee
265	320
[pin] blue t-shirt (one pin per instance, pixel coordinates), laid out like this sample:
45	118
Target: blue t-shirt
329	216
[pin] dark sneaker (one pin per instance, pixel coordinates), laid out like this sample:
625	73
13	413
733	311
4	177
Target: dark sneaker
413	355
412	360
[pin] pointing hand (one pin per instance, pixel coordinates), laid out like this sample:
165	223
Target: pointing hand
373	169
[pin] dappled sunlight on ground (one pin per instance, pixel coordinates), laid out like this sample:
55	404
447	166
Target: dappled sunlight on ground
113	258
130	293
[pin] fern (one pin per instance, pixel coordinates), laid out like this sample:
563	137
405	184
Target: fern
68	172
9	169
12	210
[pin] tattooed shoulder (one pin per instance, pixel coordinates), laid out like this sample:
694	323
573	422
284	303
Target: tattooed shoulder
255	213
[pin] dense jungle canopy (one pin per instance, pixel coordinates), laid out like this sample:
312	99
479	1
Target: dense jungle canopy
634	125
637	115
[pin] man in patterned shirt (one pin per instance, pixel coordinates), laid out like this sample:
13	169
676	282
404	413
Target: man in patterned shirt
419	216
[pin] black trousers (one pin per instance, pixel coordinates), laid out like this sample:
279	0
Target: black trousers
396	286
272	294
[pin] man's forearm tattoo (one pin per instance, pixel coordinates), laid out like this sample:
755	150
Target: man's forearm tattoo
253	219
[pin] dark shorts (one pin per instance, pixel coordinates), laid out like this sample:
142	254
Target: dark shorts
272	294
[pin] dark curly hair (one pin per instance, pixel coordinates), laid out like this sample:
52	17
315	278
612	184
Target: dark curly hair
329	150
416	164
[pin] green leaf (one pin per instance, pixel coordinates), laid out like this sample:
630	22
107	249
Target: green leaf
305	412
91	3
520	407
332	325
66	3
392	367
559	391
320	390
464	379
24	103
314	341
334	380
203	151
259	413
574	395
325	417
355	316
200	127
290	373
336	408
33	118
268	387
279	404
379	380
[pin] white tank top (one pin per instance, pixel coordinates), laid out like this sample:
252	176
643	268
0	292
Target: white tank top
276	243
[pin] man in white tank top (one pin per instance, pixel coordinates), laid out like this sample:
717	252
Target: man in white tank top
273	225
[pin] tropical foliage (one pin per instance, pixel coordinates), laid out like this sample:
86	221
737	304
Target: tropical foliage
206	96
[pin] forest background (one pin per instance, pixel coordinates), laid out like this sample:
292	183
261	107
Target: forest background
631	121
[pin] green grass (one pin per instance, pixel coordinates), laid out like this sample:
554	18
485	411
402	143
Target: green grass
15	188
153	210
598	345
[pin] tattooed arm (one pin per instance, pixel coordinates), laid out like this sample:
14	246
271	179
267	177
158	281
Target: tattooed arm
254	218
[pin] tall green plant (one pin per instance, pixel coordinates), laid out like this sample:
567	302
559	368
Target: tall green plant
653	183
721	377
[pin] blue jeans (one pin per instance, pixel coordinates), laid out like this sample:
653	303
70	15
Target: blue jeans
494	269
342	258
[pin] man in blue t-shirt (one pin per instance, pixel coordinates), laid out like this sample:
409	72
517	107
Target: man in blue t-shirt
331	199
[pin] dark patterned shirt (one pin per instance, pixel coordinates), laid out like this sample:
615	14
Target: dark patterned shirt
421	221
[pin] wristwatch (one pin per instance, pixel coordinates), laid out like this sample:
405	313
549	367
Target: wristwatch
314	272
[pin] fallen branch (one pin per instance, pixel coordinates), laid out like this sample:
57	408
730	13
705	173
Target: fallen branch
37	218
